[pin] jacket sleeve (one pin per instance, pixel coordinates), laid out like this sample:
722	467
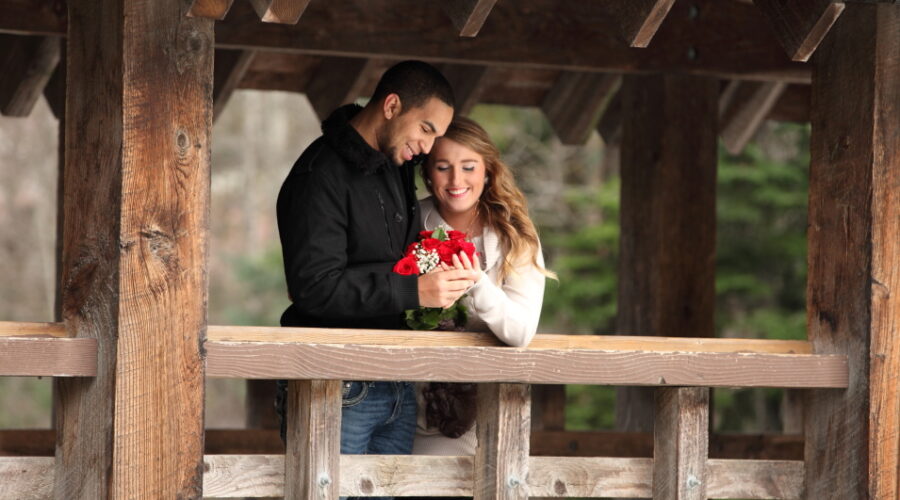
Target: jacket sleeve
511	309
320	281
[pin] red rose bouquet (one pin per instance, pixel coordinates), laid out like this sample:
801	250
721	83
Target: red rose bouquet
432	249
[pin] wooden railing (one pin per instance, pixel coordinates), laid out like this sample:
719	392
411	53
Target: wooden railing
315	360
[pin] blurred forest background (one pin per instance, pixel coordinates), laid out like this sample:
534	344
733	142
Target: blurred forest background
574	199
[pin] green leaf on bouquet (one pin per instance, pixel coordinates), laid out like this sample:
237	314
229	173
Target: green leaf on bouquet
439	234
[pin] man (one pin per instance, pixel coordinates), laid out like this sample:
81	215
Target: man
346	213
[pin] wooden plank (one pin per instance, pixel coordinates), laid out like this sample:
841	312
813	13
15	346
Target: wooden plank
468	83
853	442
742	108
468	16
230	476
312	459
800	25
280	11
48	357
210	9
638	20
26	478
135	248
32	329
337	81
668	218
404	475
680	443
575	102
458	339
503	425
27	63
781	479
230	67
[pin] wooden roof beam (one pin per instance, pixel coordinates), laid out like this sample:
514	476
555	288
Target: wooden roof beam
229	69
27	63
743	106
468	15
800	25
610	124
339	80
574	103
210	9
468	82
638	20
280	11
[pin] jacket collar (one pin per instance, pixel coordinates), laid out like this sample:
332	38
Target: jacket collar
347	142
431	218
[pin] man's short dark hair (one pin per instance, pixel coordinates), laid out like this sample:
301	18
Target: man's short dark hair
415	82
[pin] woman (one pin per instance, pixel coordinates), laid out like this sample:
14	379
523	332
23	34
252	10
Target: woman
473	191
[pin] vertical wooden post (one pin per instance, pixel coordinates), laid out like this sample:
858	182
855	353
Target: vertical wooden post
668	218
136	208
853	304
681	443
503	431
313	457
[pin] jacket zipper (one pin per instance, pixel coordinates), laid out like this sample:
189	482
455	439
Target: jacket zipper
387	225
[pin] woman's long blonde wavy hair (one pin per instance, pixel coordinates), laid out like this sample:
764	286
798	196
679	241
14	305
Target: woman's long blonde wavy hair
502	205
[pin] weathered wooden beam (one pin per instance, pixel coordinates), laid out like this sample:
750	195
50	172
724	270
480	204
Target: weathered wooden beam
32	329
26	478
468	83
135	246
503	428
337	81
792	106
312	458
230	67
48	357
575	102
28	17
280	11
668	217
743	106
27	62
680	443
853	308
800	25
638	20
468	16
609	126
210	9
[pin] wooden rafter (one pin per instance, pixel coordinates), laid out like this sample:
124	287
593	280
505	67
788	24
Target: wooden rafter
743	106
27	62
800	25
574	103
280	11
229	69
210	9
338	81
468	16
638	20
609	126
468	84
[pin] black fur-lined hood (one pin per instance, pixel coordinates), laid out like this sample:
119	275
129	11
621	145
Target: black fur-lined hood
347	142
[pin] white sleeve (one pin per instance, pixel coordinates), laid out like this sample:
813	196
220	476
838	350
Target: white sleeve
512	309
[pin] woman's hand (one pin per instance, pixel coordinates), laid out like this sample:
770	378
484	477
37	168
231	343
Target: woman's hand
461	261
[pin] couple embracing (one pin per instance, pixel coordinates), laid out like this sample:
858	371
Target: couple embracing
348	211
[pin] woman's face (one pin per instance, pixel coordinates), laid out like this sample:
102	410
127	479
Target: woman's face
457	176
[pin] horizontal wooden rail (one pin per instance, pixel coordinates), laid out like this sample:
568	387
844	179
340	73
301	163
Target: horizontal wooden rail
48	357
229	476
31	329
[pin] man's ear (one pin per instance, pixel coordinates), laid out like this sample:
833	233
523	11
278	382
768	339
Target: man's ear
391	106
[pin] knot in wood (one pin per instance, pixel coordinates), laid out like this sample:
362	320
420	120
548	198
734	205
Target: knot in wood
692	481
559	487
366	486
513	482
324	480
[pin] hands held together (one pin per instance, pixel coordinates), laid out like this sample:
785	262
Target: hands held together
446	284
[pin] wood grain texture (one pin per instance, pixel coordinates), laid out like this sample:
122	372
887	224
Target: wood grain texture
800	25
468	83
853	442
26	478
499	364
403	475
280	11
136	203
668	218
312	458
27	63
575	102
32	329
681	443
468	16
781	479
503	425
48	357
638	20
743	106
210	9
229	69
337	81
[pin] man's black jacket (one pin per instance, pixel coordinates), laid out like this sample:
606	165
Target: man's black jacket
345	216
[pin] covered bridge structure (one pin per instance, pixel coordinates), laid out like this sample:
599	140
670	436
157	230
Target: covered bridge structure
137	85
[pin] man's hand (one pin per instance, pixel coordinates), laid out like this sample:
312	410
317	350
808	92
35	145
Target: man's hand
442	288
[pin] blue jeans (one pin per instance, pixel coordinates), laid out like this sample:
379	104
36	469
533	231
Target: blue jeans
377	418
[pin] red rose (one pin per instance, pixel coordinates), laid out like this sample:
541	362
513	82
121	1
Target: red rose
456	235
410	249
407	266
447	250
430	243
425	234
469	248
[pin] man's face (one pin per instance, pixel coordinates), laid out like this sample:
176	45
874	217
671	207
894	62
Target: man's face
412	131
